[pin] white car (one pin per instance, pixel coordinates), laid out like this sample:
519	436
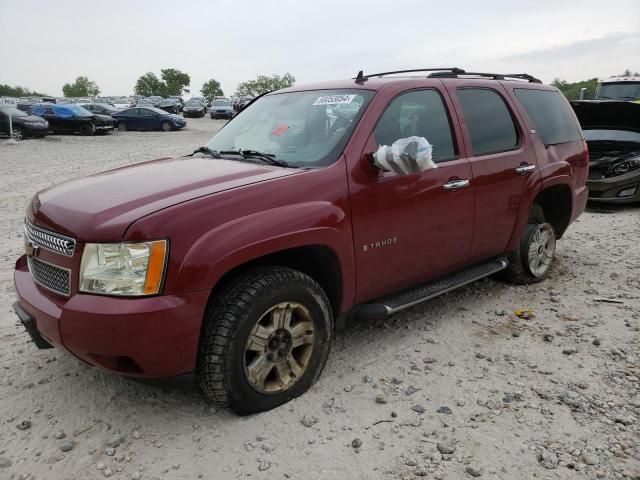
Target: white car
122	103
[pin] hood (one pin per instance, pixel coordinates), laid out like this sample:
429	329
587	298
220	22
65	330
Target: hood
100	207
607	115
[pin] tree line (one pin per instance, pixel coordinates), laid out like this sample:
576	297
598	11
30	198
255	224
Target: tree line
572	90
171	82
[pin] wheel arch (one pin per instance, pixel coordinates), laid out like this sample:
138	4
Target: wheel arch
556	203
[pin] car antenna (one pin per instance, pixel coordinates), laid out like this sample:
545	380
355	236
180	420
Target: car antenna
360	78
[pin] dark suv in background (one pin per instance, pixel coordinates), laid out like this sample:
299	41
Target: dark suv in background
237	262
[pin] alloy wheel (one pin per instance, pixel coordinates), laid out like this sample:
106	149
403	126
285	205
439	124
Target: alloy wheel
278	349
542	247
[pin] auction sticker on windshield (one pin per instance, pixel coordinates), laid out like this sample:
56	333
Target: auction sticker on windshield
334	99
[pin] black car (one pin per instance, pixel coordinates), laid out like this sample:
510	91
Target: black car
195	107
25	106
612	132
101	109
24	125
170	105
72	118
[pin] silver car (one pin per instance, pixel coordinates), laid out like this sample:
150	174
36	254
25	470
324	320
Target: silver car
221	108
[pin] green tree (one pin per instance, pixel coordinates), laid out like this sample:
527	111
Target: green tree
82	87
149	84
572	90
211	88
175	81
9	91
263	84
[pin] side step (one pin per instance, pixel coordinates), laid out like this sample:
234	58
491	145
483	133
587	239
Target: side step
390	304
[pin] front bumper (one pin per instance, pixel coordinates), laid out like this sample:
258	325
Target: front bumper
608	190
143	337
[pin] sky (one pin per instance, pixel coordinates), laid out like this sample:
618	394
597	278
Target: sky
45	44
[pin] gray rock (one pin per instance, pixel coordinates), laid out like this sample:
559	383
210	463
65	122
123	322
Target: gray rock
107	472
380	398
411	462
548	459
110	451
356	443
136	434
418	408
100	466
367	379
446	447
115	440
136	476
429	360
411	390
421	471
5	462
474	471
24	425
66	446
445	409
308	421
264	465
60	435
589	458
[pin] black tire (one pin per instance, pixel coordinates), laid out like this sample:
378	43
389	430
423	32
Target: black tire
230	319
165	126
86	130
520	271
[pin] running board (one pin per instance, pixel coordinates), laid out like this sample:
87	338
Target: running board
394	303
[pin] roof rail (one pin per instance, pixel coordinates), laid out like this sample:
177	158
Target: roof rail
363	78
449	72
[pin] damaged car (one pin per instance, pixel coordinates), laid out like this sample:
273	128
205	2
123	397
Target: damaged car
612	131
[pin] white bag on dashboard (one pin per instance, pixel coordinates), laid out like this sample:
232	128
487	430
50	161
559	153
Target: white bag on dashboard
405	156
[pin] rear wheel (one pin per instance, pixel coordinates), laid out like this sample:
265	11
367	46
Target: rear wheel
265	340
531	261
166	126
18	134
122	127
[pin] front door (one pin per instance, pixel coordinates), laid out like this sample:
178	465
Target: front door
411	228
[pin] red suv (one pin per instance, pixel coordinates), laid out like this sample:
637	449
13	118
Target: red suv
236	262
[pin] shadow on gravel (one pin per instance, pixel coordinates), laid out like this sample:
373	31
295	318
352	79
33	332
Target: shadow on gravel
595	207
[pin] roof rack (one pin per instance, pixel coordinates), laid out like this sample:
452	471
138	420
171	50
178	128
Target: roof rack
450	72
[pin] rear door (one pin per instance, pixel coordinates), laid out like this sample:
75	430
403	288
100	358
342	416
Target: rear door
501	158
410	228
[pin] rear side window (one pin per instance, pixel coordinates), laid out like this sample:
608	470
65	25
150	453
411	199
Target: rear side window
550	114
421	113
488	120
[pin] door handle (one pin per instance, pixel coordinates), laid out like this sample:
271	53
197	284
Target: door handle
525	169
456	184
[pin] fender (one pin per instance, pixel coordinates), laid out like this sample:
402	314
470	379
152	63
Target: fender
549	176
246	238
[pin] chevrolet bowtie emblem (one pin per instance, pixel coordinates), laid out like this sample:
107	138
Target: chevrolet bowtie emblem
30	249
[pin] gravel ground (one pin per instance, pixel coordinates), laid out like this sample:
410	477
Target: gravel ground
456	388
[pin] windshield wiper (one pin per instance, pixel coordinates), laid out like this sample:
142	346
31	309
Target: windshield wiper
267	158
207	151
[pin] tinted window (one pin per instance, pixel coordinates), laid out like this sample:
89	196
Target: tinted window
488	120
421	113
550	114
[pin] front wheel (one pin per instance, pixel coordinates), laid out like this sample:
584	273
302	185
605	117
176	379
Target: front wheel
122	127
265	340
166	126
18	134
87	130
531	261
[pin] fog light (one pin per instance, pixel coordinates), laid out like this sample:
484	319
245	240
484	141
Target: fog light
628	192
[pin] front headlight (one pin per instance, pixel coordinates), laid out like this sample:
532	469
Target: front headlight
129	269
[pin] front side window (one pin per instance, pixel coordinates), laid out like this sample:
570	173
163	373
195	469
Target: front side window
419	113
302	129
551	115
489	121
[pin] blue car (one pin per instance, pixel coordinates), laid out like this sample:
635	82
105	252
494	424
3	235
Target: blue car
148	118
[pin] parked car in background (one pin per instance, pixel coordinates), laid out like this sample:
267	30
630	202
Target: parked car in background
146	102
23	124
179	98
72	118
195	107
612	131
148	118
103	100
221	108
623	89
101	109
155	100
170	105
25	106
123	103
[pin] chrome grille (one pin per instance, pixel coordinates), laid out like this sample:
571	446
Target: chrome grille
51	277
51	241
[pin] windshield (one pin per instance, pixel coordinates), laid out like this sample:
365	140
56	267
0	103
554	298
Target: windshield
303	129
194	103
221	103
165	103
14	112
619	91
